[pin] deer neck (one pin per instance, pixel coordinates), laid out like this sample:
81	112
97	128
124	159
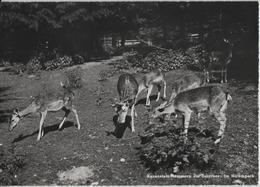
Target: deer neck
169	109
28	110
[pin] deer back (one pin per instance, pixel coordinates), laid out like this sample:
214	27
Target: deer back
152	77
200	99
127	87
186	83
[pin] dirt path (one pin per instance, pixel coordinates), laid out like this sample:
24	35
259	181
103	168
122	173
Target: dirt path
113	160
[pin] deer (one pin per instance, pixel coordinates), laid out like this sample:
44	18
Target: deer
60	101
207	98
184	83
220	58
149	80
129	89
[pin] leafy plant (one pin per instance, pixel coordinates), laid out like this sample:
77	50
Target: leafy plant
10	165
164	147
73	78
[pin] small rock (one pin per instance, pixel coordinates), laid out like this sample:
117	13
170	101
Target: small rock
35	175
111	160
101	125
106	148
255	146
245	142
122	160
31	76
15	176
1	170
1	144
94	183
237	181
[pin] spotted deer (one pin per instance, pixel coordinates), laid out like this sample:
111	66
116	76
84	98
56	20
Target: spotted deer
60	101
219	60
208	98
149	80
184	83
129	89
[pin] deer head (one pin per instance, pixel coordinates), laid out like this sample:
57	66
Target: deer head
121	108
15	118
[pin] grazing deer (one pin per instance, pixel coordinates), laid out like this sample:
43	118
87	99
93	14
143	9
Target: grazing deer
61	101
149	80
221	59
184	83
208	98
127	88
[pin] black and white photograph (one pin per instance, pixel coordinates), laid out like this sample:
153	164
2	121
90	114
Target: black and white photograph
109	93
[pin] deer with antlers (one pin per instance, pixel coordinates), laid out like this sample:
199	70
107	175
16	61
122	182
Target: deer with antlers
60	101
209	98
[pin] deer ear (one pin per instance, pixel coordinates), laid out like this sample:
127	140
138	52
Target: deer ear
15	111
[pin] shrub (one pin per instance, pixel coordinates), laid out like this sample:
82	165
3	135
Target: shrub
10	164
163	147
194	58
73	78
33	65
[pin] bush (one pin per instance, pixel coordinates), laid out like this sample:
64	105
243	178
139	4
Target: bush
10	164
163	147
33	65
73	78
194	58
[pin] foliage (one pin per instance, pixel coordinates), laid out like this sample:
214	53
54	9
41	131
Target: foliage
33	65
164	147
73	78
10	164
194	58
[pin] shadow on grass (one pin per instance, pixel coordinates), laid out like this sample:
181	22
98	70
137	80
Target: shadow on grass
120	128
143	101
5	116
46	131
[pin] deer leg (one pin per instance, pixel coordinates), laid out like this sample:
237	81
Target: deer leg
221	117
149	91
77	117
132	119
64	118
43	116
222	75
225	74
186	117
164	89
159	92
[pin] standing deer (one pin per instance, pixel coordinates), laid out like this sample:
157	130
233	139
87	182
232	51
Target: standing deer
184	83
209	98
220	58
129	89
149	80
60	101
